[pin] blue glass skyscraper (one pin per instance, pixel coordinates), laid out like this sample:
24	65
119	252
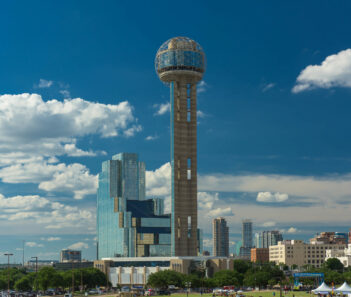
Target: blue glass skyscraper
128	225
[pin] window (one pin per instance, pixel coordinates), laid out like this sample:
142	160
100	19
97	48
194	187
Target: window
189	226
189	169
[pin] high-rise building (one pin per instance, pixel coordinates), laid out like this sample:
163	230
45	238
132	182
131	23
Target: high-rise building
330	237
180	63
245	250
220	235
265	239
296	252
68	255
128	225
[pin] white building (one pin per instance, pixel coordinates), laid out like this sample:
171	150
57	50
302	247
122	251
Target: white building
343	255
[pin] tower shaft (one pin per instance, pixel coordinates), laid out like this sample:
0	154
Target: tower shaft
184	168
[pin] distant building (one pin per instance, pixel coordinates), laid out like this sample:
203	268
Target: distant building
260	255
220	233
265	239
247	245
343	255
136	271
68	255
127	224
330	238
296	252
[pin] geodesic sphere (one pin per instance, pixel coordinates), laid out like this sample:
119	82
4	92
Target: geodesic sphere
180	58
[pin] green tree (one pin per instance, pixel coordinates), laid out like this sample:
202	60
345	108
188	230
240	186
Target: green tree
333	277
48	277
24	284
164	278
226	278
241	266
333	264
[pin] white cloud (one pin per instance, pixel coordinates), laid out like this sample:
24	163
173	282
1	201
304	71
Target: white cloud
33	244
60	177
79	246
201	87
221	212
151	137
200	114
40	212
43	83
269	224
292	230
206	200
65	93
335	71
271	197
268	87
158	182
52	238
162	108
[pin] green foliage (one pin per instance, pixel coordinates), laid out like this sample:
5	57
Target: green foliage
226	278
164	278
259	278
24	284
334	264
241	266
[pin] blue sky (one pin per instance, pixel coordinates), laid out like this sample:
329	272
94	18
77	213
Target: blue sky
77	85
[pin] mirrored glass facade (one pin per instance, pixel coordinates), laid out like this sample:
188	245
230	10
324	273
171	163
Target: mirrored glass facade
128	225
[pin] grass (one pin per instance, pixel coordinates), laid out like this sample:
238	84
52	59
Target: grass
264	293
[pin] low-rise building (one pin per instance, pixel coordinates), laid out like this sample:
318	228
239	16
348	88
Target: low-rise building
296	252
330	238
68	255
129	271
343	255
260	255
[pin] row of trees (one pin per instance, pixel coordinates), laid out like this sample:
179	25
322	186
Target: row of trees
244	274
48	277
250	275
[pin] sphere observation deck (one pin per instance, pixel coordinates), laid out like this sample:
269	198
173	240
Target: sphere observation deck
180	58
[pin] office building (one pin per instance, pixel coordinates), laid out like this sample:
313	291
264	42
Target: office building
136	271
296	252
128	225
68	255
220	235
265	239
343	255
260	255
180	63
330	237
245	250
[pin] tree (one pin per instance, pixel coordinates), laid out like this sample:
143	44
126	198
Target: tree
163	279
334	264
333	277
24	284
226	278
260	279
48	277
241	266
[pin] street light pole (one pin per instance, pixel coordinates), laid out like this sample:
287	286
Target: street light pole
8	272
36	272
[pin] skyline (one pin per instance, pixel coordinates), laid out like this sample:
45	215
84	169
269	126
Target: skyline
78	85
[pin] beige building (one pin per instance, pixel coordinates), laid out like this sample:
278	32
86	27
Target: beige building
296	252
136	270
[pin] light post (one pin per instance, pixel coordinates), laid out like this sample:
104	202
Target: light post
8	272
187	285
36	272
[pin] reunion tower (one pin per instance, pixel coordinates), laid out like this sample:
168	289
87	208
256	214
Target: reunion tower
180	63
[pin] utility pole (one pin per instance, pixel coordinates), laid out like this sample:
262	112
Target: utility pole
8	272
23	253
36	272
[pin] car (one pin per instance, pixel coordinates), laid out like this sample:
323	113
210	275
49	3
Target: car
93	292
164	292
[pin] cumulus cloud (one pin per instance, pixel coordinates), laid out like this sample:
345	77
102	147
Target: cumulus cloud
60	177
201	87
65	93
335	71
271	197
52	238
162	108
151	137
200	114
221	212
206	200
33	244
292	230
42	212
158	182
43	83
79	246
269	224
